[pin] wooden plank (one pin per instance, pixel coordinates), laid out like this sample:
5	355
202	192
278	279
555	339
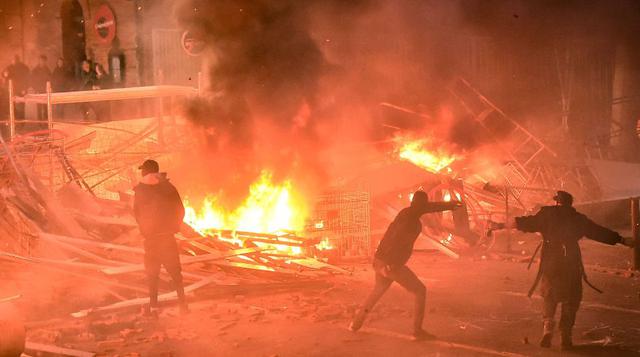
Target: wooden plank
10	298
55	211
111	94
125	221
88	242
52	261
83	253
316	264
61	351
183	260
144	300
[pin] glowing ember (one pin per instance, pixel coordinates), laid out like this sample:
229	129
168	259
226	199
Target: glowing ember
269	208
421	153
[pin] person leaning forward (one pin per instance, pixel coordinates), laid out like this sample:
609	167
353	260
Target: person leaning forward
561	271
159	211
391	257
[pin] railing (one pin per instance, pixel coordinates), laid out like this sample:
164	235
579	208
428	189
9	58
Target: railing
50	99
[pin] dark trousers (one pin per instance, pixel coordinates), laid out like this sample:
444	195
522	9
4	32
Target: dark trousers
568	296
162	251
407	279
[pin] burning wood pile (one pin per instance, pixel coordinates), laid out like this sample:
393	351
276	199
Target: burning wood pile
95	240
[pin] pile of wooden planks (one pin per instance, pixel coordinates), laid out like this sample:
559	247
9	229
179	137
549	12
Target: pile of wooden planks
96	240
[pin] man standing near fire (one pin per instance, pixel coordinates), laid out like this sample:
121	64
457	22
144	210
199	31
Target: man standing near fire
159	212
561	271
391	258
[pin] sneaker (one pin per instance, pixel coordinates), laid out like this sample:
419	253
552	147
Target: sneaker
423	335
567	343
358	320
545	342
148	311
547	333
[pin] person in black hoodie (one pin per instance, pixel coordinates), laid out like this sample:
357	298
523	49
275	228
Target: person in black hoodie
561	271
391	258
159	211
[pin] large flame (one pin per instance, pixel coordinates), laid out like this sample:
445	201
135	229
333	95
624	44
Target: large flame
269	208
424	153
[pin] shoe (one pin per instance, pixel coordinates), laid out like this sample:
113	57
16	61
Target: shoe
547	334
545	342
148	311
422	335
567	342
358	320
184	309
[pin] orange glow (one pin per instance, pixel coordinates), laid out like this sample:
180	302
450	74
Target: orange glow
424	153
273	208
269	208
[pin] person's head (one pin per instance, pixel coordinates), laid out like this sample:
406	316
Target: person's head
86	66
149	167
563	198
60	62
42	60
419	201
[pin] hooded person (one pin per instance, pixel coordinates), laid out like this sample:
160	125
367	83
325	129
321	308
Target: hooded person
159	211
561	271
391	256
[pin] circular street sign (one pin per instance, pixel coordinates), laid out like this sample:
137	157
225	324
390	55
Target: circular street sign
105	24
192	44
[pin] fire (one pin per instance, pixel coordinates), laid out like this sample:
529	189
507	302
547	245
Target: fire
269	208
421	152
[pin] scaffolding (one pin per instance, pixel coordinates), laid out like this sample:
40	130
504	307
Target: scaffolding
343	218
97	156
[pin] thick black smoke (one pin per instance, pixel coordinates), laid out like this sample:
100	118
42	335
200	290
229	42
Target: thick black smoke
291	78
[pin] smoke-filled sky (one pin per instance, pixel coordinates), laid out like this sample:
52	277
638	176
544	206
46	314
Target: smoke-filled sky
292	83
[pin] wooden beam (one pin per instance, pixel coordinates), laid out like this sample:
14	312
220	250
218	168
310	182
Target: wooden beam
41	347
52	261
88	242
144	300
183	260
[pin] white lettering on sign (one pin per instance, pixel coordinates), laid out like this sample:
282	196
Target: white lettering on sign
104	24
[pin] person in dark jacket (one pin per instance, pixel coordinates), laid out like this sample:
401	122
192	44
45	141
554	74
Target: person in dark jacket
159	212
18	73
61	78
561	271
40	75
391	257
61	81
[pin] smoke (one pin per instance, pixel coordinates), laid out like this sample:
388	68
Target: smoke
295	86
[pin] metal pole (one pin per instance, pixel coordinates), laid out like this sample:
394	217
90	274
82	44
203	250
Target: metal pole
50	127
635	232
49	108
12	112
506	217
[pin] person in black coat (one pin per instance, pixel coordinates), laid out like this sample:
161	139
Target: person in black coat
18	73
391	258
40	75
159	211
561	271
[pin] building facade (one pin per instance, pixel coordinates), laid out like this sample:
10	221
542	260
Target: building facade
138	41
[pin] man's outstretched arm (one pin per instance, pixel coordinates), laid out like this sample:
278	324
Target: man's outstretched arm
442	206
